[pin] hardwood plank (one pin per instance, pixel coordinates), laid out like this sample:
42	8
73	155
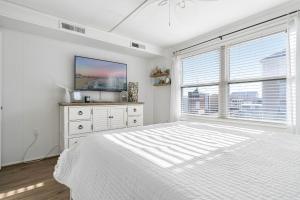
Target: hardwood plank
31	181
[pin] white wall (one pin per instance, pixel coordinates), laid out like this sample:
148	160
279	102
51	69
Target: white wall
33	65
161	102
1	60
161	95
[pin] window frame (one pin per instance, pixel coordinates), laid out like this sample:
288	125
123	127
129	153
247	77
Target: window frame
249	80
213	83
224	78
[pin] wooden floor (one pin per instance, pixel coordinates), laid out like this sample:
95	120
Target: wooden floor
31	181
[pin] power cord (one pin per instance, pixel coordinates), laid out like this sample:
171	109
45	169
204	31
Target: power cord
36	135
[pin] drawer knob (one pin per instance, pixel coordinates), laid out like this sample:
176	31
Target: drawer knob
80	127
80	112
134	121
134	110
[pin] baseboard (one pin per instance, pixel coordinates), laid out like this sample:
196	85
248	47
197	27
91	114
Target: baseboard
30	161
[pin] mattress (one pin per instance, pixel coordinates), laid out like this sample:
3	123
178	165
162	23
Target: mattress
183	161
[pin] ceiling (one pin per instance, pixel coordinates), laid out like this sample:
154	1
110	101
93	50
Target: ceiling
150	24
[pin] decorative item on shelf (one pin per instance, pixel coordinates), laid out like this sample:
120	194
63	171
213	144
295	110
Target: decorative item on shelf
168	80
123	96
161	77
133	89
167	71
162	81
156	71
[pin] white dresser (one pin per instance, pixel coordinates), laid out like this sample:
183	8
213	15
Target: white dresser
78	120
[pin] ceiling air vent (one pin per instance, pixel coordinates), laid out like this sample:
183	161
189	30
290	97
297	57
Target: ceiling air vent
137	45
72	27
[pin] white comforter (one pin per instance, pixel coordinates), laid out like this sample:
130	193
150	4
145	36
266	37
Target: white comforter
183	161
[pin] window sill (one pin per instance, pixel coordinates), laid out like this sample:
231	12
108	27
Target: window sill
262	124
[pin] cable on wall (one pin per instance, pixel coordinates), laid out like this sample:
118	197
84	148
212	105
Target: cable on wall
31	145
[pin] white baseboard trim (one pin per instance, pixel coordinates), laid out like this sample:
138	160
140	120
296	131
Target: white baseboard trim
31	160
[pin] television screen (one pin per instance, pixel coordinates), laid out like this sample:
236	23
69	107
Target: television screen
99	75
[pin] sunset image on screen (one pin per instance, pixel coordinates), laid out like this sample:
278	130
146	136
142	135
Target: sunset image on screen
92	74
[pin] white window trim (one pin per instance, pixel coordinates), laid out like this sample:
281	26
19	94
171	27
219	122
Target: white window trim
236	38
224	81
190	117
213	83
256	35
250	80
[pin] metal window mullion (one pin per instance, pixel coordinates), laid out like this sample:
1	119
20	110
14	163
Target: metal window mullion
224	82
200	85
251	80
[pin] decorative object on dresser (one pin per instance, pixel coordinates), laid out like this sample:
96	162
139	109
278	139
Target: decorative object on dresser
133	90
87	99
161	77
76	96
124	96
67	96
78	120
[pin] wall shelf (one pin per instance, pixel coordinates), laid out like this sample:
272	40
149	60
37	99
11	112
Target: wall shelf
164	84
159	75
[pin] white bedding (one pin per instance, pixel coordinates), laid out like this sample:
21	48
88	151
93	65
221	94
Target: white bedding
183	161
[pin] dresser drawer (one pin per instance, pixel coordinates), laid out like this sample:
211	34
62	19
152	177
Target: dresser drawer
79	127
135	121
134	110
75	141
79	113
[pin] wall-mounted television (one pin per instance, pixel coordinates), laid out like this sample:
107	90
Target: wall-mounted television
99	75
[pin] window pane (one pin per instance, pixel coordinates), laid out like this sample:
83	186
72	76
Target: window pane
202	68
264	100
200	100
263	57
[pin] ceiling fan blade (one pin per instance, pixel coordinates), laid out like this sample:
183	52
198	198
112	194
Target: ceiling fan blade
163	2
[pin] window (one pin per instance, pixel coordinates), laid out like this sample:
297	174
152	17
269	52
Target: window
200	80
257	79
252	82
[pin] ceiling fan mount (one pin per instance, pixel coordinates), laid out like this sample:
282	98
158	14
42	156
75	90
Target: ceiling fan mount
179	3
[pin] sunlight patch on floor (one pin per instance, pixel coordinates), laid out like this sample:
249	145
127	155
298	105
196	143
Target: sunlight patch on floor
21	190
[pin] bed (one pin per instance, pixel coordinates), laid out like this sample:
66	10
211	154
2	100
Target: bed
183	161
